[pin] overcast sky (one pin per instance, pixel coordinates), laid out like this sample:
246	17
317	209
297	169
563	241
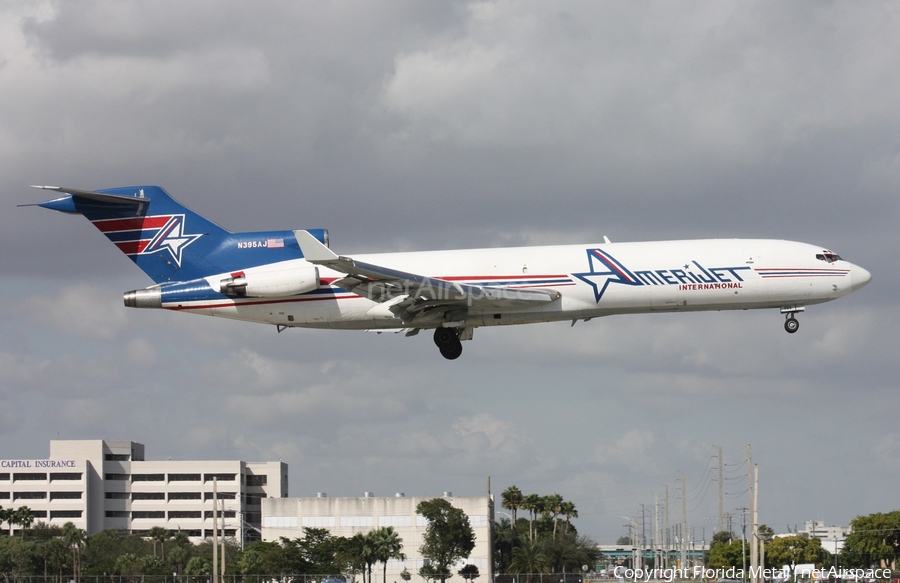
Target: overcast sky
436	125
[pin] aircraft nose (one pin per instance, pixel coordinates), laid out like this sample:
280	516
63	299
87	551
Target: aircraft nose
859	277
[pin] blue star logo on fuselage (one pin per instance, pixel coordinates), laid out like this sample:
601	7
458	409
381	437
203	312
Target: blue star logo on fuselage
604	270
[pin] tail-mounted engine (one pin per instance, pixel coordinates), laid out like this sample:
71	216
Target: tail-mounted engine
276	283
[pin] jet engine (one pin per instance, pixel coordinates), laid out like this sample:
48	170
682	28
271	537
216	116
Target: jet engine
276	283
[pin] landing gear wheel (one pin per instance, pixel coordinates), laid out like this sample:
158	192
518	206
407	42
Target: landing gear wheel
791	324
447	340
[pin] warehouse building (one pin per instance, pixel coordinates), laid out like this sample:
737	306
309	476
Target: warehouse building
102	484
287	517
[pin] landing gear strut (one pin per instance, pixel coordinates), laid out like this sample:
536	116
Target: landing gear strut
447	340
791	324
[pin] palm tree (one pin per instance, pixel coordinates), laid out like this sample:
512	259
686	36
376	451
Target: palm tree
528	558
553	504
511	499
386	545
159	535
23	517
75	539
569	511
531	502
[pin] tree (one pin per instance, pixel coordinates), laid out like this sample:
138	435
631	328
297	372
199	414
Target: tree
553	505
511	499
793	550
569	511
528	557
469	572
75	539
160	535
873	540
448	537
386	545
23	516
532	503
503	545
725	552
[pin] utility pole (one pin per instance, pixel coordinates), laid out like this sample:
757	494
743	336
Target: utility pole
668	532
743	538
656	531
683	519
643	539
215	535
721	514
752	538
754	552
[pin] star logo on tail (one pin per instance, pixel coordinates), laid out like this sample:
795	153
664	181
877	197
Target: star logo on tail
604	270
172	238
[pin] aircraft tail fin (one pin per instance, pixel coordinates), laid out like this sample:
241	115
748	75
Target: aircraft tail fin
164	238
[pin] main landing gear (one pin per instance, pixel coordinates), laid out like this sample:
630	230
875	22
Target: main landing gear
447	340
791	324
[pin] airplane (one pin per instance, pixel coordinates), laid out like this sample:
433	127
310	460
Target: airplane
292	278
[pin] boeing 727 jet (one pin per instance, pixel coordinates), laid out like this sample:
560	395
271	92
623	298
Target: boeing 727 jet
294	279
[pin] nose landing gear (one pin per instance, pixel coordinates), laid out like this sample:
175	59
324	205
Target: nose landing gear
447	340
791	324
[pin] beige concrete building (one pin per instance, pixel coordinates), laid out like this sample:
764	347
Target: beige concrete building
286	517
101	484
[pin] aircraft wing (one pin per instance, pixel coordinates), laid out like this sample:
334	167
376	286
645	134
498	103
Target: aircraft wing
411	296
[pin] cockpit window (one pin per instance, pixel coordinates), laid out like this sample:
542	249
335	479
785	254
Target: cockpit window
828	257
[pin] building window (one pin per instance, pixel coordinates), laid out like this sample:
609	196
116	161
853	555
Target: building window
65	495
158	514
227	514
4	477
65	514
29	495
395	520
229	532
184	477
117	495
117	514
318	521
220	495
28	477
219	477
357	521
280	522
148	496
253	499
257	480
4	495
65	476
117	457
184	514
39	513
116	476
256	517
148	477
184	495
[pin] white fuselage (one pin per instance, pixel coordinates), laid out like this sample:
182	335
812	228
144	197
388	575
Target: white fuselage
592	280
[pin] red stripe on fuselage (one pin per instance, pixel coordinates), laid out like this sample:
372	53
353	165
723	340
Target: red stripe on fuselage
113	225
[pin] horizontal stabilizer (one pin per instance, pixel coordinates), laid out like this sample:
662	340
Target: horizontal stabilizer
96	196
